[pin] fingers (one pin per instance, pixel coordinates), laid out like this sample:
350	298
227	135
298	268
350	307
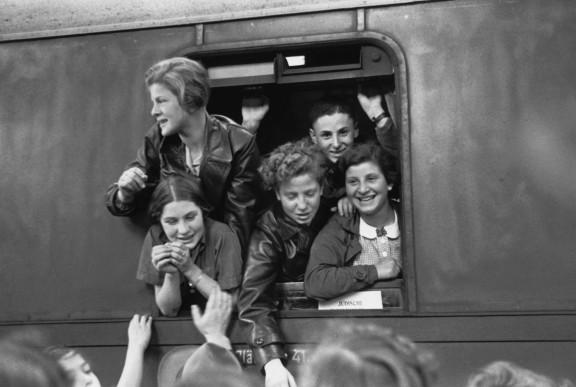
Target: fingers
132	180
141	319
196	313
364	100
160	255
219	304
139	324
341	208
165	264
345	207
372	105
214	299
169	253
145	320
179	254
133	321
178	249
222	301
291	381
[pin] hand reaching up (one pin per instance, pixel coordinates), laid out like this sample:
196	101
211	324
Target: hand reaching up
212	324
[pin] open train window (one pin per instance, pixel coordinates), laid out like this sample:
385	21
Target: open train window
292	79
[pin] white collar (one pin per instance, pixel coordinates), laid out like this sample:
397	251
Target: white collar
367	231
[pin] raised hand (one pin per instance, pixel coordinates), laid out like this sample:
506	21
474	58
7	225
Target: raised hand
130	182
212	324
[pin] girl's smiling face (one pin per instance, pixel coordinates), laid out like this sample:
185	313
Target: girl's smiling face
367	188
182	221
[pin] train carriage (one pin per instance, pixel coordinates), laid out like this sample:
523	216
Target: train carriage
483	94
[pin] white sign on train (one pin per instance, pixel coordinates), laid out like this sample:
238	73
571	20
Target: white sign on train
370	299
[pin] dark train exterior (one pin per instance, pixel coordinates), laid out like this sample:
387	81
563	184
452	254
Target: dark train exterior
484	97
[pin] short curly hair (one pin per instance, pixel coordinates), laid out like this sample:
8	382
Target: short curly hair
290	160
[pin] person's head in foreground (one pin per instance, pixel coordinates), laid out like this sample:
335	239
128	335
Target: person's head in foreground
365	355
25	365
75	366
507	374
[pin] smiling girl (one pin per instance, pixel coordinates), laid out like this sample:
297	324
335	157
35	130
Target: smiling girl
185	253
352	253
185	139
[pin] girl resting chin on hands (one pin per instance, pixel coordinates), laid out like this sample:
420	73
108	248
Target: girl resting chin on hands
186	254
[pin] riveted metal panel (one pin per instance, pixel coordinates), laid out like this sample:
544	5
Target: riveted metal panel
491	89
73	111
281	27
26	19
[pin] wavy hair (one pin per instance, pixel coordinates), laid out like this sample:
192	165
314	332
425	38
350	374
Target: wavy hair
290	160
184	77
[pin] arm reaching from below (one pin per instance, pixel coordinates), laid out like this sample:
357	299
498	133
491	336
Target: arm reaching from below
139	332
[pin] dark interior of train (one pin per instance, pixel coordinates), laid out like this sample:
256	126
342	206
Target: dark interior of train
290	81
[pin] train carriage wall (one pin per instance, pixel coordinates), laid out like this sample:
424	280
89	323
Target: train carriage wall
487	95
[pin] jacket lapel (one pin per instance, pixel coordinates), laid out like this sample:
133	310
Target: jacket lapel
217	162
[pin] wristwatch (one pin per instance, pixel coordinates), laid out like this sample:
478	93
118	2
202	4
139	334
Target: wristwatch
379	118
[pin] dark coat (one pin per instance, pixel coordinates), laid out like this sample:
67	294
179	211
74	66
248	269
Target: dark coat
228	172
330	272
279	251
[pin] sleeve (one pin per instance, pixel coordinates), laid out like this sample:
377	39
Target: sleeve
326	274
229	261
244	192
257	302
146	271
147	159
388	137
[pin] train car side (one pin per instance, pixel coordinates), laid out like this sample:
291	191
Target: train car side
484	99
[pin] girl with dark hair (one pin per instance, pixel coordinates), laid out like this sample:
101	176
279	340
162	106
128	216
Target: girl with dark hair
185	253
352	253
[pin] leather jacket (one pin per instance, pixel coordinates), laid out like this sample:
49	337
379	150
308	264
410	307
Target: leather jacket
278	252
228	172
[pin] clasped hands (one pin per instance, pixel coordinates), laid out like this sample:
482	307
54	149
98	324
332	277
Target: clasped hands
171	257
